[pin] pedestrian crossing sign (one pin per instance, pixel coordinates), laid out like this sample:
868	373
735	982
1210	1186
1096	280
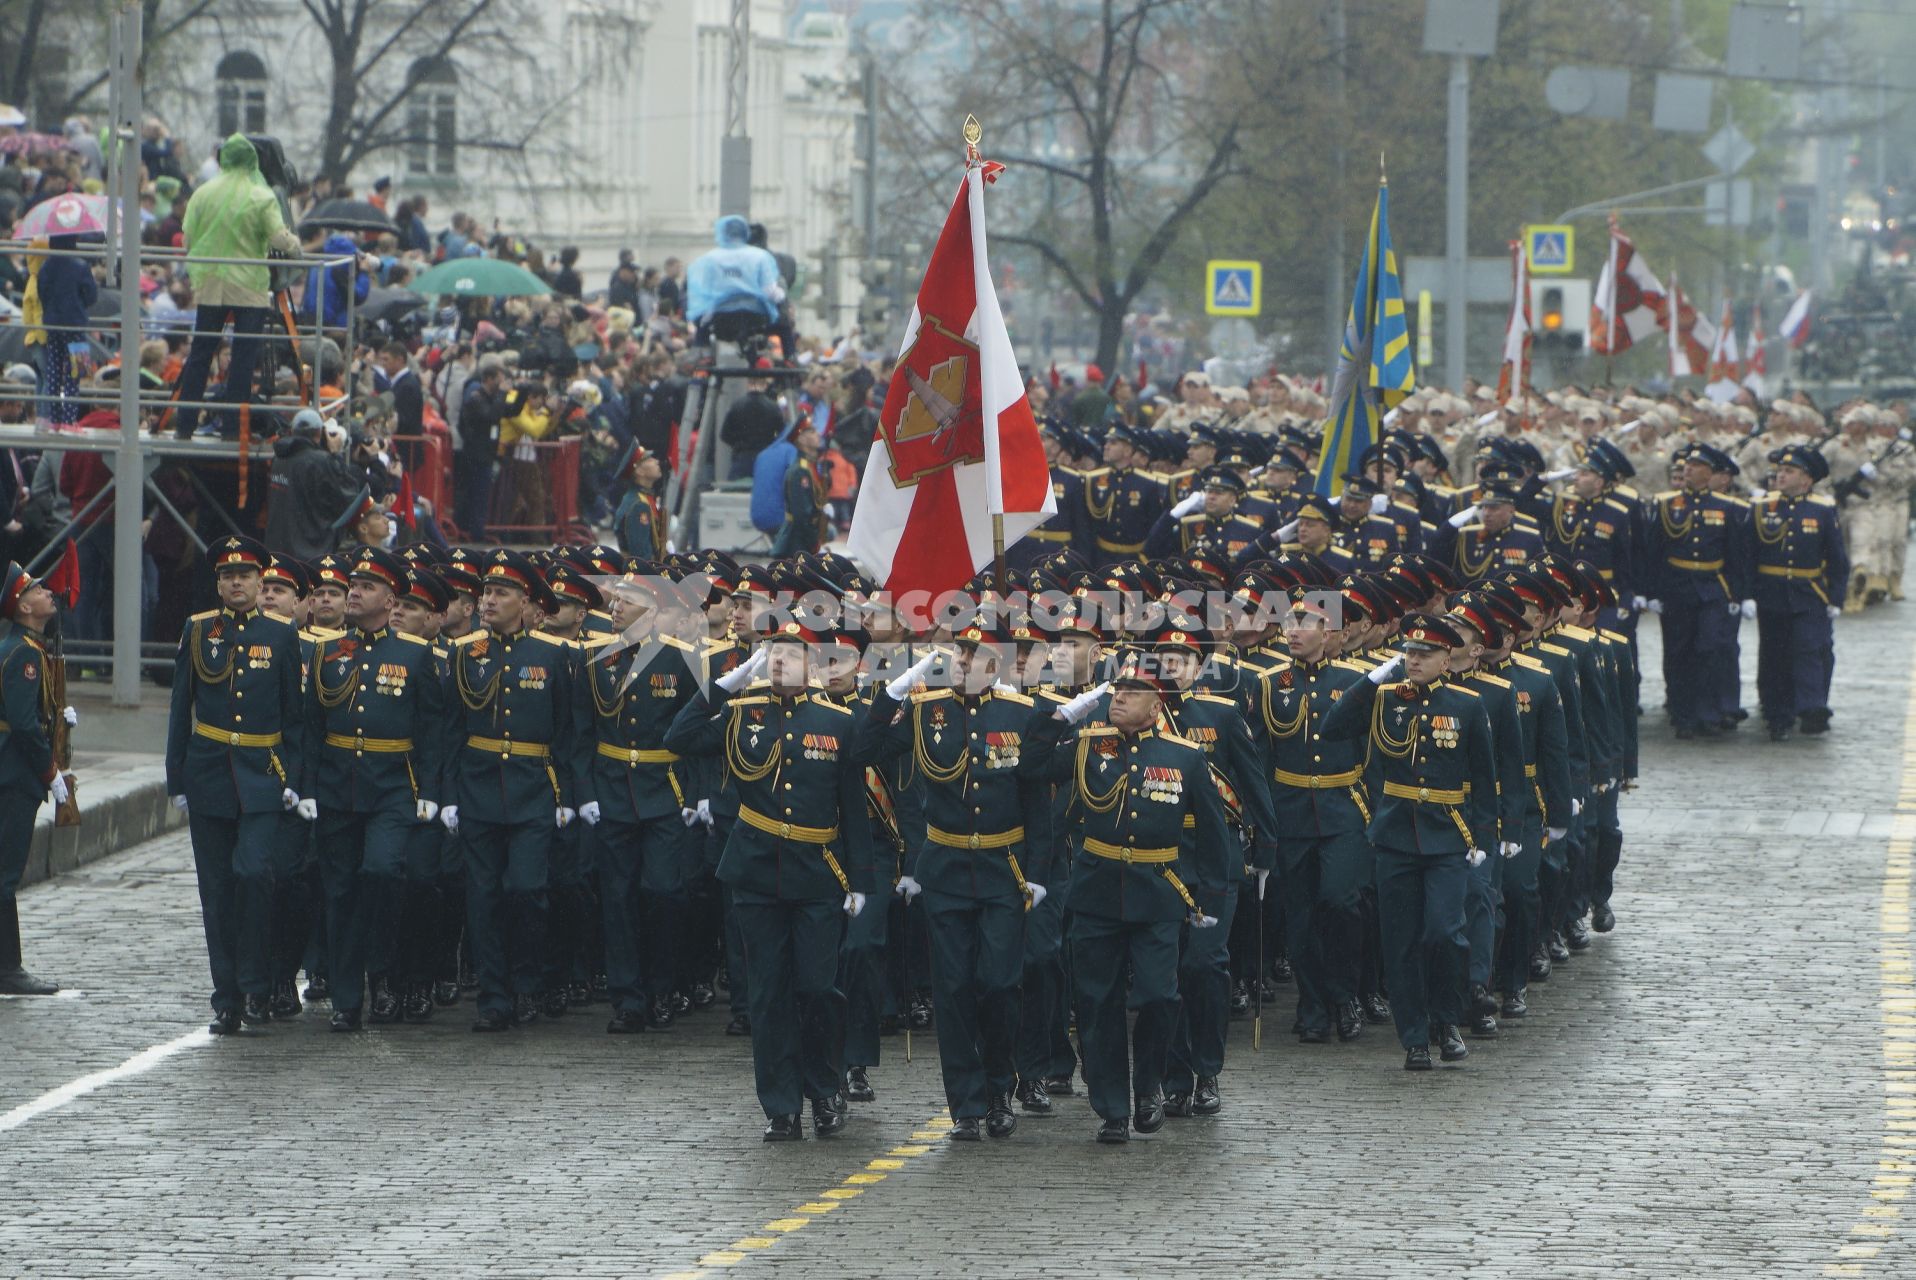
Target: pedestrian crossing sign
1233	288
1552	250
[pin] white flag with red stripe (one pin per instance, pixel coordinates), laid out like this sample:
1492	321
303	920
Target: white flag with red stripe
1629	301
956	442
1726	365
1758	364
1691	337
1513	379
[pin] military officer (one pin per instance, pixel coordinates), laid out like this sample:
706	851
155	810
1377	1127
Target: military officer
28	775
285	586
431	853
1592	522
632	797
231	762
1698	572
512	783
1121	501
1133	781
1207	515
640	522
1369	536
1432	779
1802	568
374	713
788	748
572	937
326	602
1486	538
967	741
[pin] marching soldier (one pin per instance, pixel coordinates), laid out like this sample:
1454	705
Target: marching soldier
1594	523
284	588
1122	502
1208	514
1066	530
510	782
1487	537
230	765
1434	790
1699	571
572	937
28	775
431	852
1802	568
1370	538
640	522
373	713
1133	782
788	755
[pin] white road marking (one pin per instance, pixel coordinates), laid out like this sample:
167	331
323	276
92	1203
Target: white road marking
138	1064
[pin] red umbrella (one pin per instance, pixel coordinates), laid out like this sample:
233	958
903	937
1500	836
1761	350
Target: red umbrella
19	144
68	215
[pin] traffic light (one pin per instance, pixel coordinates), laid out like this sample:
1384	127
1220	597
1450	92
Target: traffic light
1550	315
1560	313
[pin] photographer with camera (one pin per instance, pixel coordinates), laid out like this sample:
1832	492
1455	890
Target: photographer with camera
312	488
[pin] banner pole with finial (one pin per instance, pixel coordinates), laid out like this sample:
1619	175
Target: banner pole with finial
974	132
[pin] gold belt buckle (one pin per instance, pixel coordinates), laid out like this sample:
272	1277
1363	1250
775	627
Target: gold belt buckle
1126	856
974	840
1314	780
1423	793
232	739
784	830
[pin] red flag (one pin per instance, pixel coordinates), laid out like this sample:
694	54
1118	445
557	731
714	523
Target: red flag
64	581
957	443
1759	358
405	500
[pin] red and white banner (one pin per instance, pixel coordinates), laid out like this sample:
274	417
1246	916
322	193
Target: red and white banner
956	442
1691	337
1629	301
1726	365
1758	364
1513	379
1796	321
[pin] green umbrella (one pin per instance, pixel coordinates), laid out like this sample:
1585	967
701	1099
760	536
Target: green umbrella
478	278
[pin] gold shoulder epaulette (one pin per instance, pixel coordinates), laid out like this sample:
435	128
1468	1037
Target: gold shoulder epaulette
1218	699
1612	636
716	644
598	639
467	639
670	642
327	633
1667	493
441	651
1557	649
409	638
1577	633
1012	695
1178	738
1620	506
1050	694
931	695
550	638
1471	528
1733	499
1822	500
202	617
1097	731
1465	689
1495	682
600	614
1525	660
825	700
1350	664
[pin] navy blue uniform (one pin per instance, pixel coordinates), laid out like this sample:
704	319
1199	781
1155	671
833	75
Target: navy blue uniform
1699	567
26	770
1802	571
1121	506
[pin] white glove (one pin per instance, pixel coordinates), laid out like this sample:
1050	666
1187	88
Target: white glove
288	798
1868	470
1189	504
907	888
1758	491
1080	707
59	787
1263	874
308	809
1379	503
1576	808
1655	606
1557	833
1639	603
1475	857
899	687
562	816
72	717
1834	612
1462	518
740	676
1749	608
854	903
179	802
689	816
426	810
1038	893
1388	672
705	812
449	817
590	812
1560	475
1510	848
1198	920
1286	532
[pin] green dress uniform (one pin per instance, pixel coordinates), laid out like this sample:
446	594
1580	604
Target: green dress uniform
375	714
625	699
26	771
801	805
1432	781
1044	1053
1546	769
978	806
1483	890
1605	826
511	777
1603	744
707	780
235	743
1237	761
1324	860
427	931
1130	892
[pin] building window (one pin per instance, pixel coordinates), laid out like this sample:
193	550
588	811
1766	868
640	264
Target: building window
432	119
240	81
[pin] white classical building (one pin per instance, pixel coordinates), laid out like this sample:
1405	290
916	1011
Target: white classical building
624	101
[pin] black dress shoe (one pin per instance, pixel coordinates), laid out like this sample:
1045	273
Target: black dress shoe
1481	1001
1780	731
1280	968
740	1025
525	1010
1350	1021
1555	947
1313	1035
578	995
1114	1133
1148	1117
1000	1120
1483	1026
1034	1097
257	1011
493	1022
1450	1045
1513	1005
1417	1058
703	995
858	1086
1577	936
553	1003
468	980
1240	1000
226	1022
1059	1086
385	1003
626	1022
1177	1103
18	982
827	1119
1540	965
784	1129
920	1016
317	990
286	999
418	1006
1814	722
1376	1009
345	1020
1602	918
965	1129
1205	1101
445	994
840	1103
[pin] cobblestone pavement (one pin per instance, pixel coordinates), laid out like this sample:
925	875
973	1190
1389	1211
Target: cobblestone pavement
1704	1093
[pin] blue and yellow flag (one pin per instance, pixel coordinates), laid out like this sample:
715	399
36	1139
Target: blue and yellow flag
1374	367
